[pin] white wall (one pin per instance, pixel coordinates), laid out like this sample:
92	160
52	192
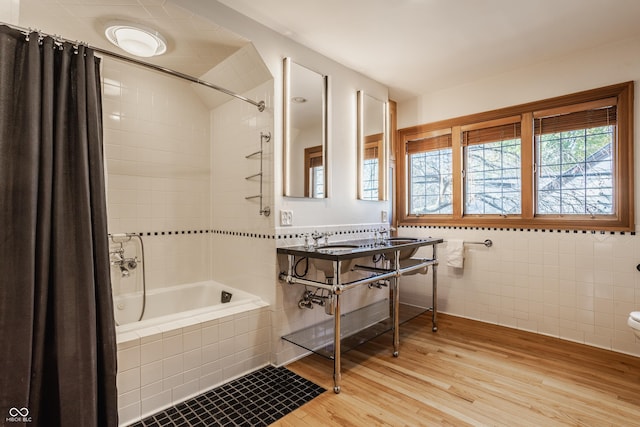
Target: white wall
10	11
576	286
588	69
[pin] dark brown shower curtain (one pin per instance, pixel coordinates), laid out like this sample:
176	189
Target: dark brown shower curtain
57	333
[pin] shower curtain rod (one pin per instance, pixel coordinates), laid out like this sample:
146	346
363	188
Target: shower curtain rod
27	31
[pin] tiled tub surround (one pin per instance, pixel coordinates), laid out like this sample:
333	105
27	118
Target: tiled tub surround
161	365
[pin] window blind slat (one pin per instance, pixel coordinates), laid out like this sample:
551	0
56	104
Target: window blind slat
576	120
315	161
429	144
371	153
492	134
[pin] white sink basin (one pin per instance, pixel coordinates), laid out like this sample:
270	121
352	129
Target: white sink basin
335	248
404	253
326	266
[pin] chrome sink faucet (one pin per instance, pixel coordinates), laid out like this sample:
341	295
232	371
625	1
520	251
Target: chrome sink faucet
379	237
326	235
315	236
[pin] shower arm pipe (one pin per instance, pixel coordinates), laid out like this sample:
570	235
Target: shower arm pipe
26	31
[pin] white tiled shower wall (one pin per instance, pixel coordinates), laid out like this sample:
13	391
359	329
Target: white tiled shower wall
576	286
157	145
245	257
235	132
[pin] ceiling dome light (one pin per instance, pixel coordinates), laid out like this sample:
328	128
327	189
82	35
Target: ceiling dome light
136	39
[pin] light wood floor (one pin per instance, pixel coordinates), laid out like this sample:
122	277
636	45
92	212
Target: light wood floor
472	373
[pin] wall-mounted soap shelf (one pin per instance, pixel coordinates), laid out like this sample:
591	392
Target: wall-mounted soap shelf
264	137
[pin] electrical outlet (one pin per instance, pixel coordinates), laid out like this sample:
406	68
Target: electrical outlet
286	217
384	216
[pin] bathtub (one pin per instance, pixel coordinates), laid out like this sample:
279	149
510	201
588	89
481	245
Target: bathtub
187	342
180	302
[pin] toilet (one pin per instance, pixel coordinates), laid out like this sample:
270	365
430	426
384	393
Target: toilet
634	322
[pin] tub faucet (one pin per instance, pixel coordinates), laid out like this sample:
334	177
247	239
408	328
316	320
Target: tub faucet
124	271
117	255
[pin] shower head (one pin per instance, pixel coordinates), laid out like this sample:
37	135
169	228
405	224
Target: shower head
124	271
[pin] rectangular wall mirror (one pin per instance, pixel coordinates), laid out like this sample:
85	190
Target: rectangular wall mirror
372	147
305	132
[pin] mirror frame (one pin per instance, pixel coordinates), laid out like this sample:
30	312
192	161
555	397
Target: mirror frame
383	156
287	141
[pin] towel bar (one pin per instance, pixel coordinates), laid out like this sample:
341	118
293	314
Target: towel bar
488	243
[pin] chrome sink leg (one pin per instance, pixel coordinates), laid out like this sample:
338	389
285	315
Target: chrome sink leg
434	303
396	308
337	376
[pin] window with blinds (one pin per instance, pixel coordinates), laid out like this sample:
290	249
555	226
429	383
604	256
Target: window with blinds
492	169
575	160
430	174
558	163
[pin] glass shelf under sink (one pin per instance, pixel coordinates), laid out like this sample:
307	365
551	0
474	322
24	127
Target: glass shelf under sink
356	327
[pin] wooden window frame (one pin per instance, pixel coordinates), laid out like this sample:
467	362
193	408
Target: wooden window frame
311	156
423	142
373	149
621	220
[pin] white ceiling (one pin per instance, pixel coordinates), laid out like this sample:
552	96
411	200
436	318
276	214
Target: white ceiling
412	46
419	46
195	45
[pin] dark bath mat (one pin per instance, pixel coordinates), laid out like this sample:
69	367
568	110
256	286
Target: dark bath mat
257	399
